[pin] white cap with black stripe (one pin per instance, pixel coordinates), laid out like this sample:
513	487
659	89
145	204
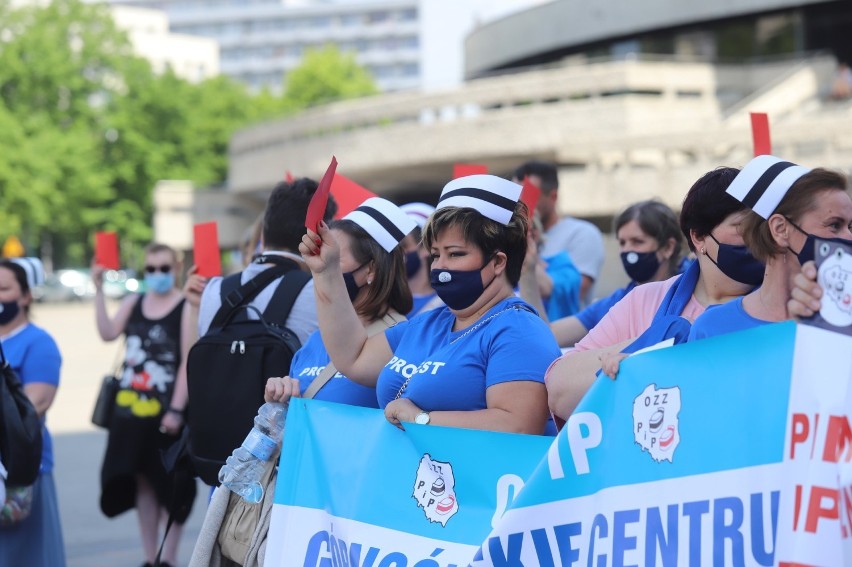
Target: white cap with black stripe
492	196
763	182
384	221
33	268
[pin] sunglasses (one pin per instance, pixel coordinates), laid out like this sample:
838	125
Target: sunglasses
165	268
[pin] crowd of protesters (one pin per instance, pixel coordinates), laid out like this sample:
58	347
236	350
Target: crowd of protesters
475	313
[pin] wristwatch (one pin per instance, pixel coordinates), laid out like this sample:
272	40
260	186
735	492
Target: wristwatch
422	418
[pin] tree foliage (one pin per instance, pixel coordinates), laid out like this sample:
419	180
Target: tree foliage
87	128
326	75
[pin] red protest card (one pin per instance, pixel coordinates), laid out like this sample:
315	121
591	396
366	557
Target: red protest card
288	177
464	169
208	259
316	208
760	134
530	195
106	250
348	195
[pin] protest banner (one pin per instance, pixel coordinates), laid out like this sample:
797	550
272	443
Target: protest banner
733	450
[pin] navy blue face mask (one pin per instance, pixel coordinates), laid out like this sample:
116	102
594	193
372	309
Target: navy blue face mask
640	266
737	263
458	289
808	251
412	263
9	311
352	288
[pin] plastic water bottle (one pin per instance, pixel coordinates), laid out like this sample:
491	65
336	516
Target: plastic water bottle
243	470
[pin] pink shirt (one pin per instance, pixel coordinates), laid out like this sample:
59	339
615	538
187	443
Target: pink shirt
632	316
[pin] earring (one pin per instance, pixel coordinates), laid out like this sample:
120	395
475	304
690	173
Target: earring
369	281
703	250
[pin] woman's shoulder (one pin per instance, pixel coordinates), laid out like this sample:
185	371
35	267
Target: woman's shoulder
36	337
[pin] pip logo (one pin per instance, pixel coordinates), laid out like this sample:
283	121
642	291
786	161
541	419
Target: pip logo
434	490
655	421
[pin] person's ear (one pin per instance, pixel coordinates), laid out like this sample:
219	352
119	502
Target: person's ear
779	229
668	248
698	242
500	262
371	272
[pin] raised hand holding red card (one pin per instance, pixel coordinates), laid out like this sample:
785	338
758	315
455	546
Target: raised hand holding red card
348	195
106	250
465	169
206	253
760	134
316	208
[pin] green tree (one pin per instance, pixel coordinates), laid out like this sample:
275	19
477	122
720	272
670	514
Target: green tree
326	75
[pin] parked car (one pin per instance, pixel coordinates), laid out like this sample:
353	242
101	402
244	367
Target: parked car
77	284
66	285
118	283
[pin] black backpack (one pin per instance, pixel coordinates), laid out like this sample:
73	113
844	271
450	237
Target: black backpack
20	429
228	367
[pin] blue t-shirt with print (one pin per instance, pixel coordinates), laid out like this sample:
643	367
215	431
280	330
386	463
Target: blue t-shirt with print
591	315
723	319
34	356
310	360
450	371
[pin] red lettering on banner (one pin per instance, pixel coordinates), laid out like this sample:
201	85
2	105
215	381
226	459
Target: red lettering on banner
816	510
798	506
800	432
838	440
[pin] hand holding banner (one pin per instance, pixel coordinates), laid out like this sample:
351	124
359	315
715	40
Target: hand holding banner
316	208
206	250
106	250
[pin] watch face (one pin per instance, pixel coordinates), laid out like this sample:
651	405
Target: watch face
422	418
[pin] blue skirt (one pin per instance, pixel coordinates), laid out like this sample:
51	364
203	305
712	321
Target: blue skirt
36	541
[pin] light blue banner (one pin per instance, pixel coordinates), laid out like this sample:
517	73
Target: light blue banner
676	462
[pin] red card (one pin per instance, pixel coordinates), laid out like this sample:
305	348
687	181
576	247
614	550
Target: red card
288	177
316	208
760	134
530	195
465	169
106	250
348	195
208	259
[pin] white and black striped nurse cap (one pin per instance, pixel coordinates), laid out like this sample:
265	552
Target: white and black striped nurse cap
33	268
763	182
384	221
492	196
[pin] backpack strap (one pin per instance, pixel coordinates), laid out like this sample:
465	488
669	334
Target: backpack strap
376	327
285	296
234	295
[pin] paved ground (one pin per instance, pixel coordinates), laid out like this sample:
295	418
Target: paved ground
91	539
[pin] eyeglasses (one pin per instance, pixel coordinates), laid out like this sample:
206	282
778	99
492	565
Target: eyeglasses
165	268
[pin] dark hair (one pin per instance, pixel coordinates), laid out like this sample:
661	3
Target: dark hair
286	209
658	221
20	276
545	171
706	204
800	198
487	235
390	288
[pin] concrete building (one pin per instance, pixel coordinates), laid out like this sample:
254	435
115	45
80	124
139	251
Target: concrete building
620	128
404	44
189	57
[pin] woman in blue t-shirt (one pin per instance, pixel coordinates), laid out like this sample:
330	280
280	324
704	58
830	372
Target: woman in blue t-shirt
781	233
373	271
32	353
477	363
651	244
